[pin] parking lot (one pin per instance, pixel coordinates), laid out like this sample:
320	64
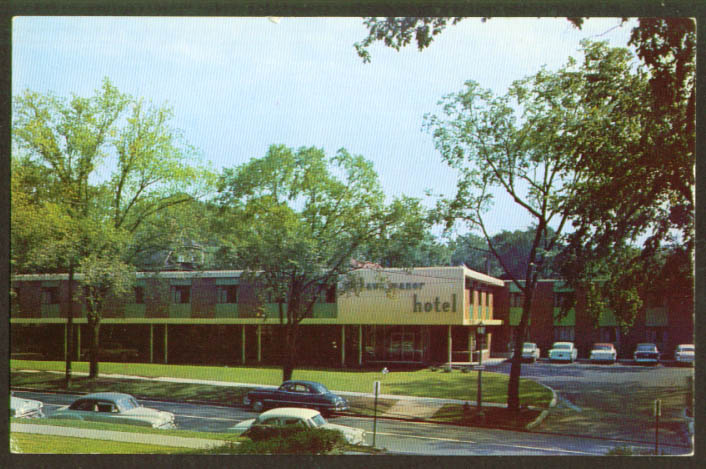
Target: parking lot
613	400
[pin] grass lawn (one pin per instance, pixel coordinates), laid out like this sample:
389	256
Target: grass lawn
421	383
41	444
128	428
492	416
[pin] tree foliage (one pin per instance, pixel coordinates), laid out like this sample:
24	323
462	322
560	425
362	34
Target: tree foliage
96	170
294	218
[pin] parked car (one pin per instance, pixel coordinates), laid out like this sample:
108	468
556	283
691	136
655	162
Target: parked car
530	351
294	393
646	353
307	418
684	354
563	351
25	408
603	352
114	407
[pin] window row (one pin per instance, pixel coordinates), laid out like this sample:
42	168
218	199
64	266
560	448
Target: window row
179	294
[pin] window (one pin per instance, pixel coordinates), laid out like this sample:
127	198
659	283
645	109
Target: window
516	300
228	294
140	295
86	404
181	294
561	299
50	295
563	333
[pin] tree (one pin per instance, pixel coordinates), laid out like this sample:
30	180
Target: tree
641	183
664	157
529	144
513	248
72	144
295	219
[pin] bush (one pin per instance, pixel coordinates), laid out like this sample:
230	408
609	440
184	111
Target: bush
291	439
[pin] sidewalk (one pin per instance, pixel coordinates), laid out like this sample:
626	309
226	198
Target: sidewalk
405	407
146	438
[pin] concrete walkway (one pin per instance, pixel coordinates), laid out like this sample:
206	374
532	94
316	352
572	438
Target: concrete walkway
146	438
405	407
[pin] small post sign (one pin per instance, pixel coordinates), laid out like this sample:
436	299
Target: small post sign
658	414
376	390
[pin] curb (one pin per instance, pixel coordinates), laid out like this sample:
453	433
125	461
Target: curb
540	418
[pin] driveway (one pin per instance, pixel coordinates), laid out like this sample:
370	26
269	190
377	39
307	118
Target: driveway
613	401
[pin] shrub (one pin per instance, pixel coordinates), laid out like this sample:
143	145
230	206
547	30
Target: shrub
291	439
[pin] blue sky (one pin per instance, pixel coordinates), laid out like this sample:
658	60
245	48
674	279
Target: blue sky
238	85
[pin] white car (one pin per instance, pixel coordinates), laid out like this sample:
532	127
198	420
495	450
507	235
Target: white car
563	351
646	353
603	352
114	407
307	418
684	353
530	351
25	408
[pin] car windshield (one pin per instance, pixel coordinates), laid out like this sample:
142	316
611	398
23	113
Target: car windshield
318	420
602	347
646	347
528	346
320	388
126	403
686	348
562	346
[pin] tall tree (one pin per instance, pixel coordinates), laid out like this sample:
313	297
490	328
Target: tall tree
525	145
618	209
113	162
296	217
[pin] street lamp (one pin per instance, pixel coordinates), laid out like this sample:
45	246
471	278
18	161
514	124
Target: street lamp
479	397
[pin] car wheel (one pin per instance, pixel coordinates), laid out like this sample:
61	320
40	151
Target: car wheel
257	406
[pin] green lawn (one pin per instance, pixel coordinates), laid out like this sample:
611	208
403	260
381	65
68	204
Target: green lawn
422	383
128	428
32	443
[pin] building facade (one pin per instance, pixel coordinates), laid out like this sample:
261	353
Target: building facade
410	316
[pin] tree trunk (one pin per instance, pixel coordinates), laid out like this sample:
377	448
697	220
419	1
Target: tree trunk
94	326
513	387
289	358
70	327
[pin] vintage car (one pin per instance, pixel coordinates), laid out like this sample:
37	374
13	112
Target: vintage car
603	352
307	418
646	353
530	351
295	393
25	408
684	354
114	407
563	351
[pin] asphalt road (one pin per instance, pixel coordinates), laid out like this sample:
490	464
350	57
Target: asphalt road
398	436
614	401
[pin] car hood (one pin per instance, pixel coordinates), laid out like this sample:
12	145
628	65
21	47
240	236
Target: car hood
20	407
241	427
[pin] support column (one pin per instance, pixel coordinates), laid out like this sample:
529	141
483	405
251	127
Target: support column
151	343
449	345
242	343
360	345
165	345
343	345
66	338
470	344
78	342
259	343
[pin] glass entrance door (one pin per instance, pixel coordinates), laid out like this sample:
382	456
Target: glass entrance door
401	346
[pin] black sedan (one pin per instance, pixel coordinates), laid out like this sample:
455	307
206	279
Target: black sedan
294	393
